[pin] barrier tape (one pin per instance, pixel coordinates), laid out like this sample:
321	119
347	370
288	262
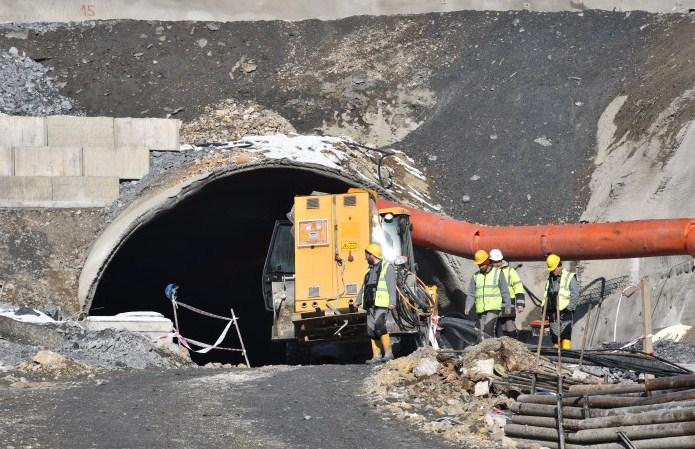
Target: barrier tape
206	347
202	312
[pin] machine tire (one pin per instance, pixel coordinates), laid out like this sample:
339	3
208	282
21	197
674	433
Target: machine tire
296	354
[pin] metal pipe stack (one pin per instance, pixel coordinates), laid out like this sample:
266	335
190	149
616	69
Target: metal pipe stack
657	414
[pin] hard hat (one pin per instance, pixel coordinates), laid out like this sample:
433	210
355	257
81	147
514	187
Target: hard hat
480	257
496	255
553	260
374	249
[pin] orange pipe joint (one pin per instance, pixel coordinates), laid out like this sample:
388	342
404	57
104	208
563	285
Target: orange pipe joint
619	240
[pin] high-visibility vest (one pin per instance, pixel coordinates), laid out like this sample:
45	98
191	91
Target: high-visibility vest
564	294
513	281
381	296
488	295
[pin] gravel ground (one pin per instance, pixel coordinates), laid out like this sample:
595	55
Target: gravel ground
673	351
274	407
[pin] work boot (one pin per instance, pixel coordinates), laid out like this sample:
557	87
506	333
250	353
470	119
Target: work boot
373	360
376	353
388	356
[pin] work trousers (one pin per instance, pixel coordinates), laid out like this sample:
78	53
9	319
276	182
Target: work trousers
487	322
376	322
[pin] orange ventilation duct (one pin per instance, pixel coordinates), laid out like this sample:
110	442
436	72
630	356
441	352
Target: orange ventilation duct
625	239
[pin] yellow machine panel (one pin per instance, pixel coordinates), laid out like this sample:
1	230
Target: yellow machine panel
331	233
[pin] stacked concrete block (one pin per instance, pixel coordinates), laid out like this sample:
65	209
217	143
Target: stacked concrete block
68	161
122	162
47	161
14	189
153	133
84	191
67	131
22	131
6	161
57	191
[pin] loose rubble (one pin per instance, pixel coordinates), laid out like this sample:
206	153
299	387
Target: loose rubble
232	120
66	349
26	88
432	394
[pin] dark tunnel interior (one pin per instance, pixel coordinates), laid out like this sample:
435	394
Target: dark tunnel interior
213	245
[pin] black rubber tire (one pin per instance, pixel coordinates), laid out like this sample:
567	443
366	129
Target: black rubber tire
296	354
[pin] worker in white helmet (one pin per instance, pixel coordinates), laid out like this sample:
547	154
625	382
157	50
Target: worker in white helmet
505	322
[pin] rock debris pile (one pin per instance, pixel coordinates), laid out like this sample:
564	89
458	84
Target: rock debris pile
451	396
27	88
61	350
232	120
498	394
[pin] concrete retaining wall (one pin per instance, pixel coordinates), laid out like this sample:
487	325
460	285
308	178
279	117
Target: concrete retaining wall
250	10
71	131
57	191
67	161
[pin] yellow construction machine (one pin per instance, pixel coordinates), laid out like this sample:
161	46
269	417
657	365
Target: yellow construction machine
316	264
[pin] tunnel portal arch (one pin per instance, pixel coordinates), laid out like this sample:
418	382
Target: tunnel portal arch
209	235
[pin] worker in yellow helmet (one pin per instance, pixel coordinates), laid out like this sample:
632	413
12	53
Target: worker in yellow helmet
506	323
377	296
562	293
489	292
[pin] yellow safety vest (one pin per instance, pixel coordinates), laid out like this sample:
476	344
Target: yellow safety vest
564	294
488	295
381	296
513	281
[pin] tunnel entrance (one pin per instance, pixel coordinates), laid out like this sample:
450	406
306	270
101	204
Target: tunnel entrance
212	242
213	245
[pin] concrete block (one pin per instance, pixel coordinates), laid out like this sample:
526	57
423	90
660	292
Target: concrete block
122	162
15	190
162	134
72	131
6	161
22	131
152	133
84	191
129	132
48	161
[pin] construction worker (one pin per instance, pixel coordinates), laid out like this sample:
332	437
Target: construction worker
505	322
377	296
489	291
562	293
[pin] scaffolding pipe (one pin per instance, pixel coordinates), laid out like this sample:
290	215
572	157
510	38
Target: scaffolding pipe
662	383
605	435
657	443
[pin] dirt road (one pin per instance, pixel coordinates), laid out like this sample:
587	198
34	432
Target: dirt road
273	407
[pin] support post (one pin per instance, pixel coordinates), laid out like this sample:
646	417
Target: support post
241	340
586	332
176	320
540	336
647	315
560	427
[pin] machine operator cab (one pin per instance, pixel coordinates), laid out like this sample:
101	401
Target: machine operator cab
315	266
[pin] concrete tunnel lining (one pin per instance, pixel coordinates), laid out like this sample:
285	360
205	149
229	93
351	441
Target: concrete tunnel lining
146	211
